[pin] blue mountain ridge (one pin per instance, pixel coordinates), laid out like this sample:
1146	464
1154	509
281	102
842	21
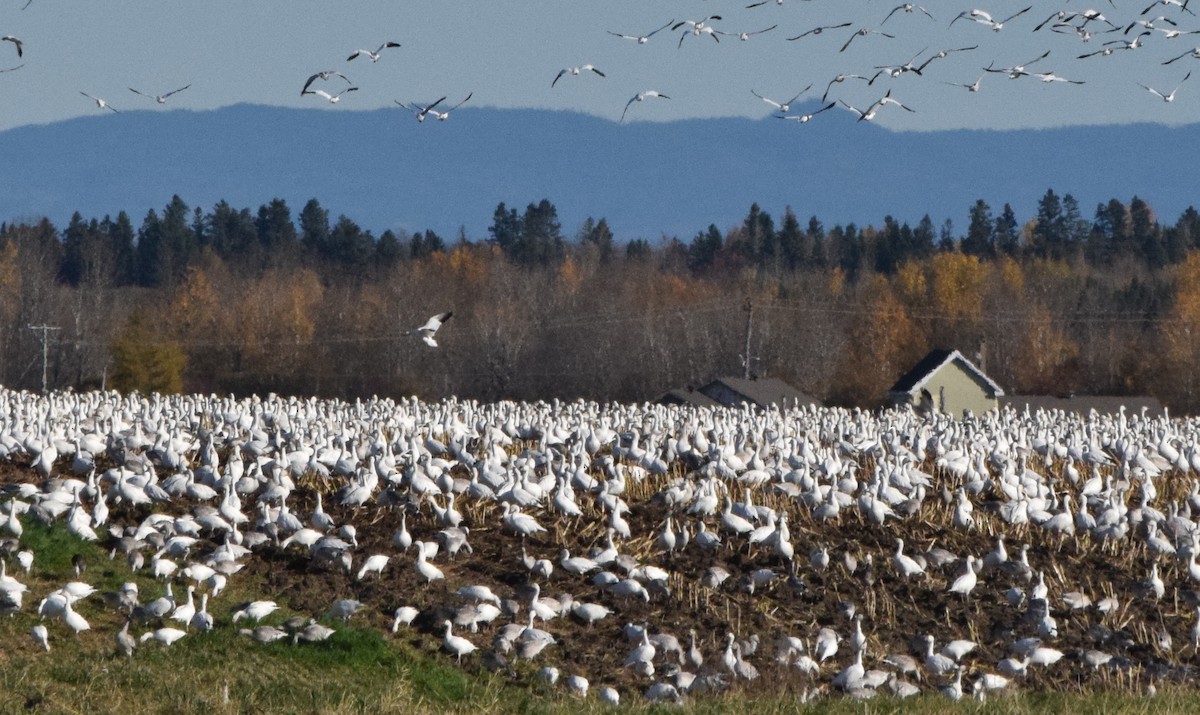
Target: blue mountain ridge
384	170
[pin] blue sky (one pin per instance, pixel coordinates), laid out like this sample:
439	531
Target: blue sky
507	54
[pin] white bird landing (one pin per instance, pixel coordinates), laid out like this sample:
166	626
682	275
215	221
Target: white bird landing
641	96
575	72
162	98
373	55
430	328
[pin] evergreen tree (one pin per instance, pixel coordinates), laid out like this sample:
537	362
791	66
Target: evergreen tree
1005	238
704	249
598	234
75	238
790	239
1048	236
314	229
978	241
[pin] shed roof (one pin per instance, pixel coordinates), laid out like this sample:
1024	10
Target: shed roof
916	378
683	396
764	391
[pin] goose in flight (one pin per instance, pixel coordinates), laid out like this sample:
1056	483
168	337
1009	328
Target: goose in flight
100	103
1017	70
443	116
1181	4
323	76
373	55
906	7
973	87
641	96
160	98
698	27
782	107
1049	77
838	80
419	111
642	39
575	72
943	54
805	118
866	115
331	98
985	18
818	30
1170	97
1193	52
430	328
743	36
16	43
10	69
863	32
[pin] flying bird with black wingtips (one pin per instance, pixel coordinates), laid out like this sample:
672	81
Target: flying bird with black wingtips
430	328
820	29
641	39
575	71
323	76
160	98
373	55
16	43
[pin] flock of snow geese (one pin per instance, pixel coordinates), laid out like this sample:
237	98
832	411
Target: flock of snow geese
658	552
1077	34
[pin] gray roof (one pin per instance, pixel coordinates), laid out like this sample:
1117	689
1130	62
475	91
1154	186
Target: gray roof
1083	404
916	378
685	396
763	392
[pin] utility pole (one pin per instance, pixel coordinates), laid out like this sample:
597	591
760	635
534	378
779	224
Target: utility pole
45	350
746	354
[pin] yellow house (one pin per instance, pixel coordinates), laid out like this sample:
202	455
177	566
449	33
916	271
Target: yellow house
946	381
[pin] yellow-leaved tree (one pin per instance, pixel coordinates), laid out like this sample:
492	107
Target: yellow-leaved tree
1180	334
144	360
883	343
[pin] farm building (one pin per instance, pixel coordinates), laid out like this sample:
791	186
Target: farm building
735	391
947	382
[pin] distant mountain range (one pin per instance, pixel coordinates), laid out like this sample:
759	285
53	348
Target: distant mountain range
384	170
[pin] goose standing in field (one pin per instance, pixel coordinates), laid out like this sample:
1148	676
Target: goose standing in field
457	645
575	72
373	55
430	328
162	98
41	636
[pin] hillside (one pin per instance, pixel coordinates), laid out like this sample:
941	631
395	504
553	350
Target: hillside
384	170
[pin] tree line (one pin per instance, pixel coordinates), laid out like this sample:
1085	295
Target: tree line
231	300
